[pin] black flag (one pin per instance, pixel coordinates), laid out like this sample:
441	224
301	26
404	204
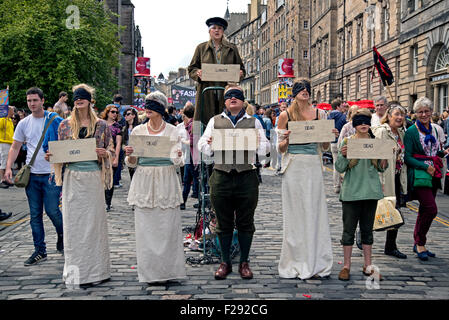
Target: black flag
383	69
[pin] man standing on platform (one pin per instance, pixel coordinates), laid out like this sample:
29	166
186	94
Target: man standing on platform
234	186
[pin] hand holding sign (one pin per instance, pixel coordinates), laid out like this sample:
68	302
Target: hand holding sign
370	149
74	150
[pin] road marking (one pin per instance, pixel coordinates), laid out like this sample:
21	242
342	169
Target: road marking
438	219
413	208
8	224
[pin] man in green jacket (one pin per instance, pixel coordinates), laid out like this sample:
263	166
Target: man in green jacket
215	51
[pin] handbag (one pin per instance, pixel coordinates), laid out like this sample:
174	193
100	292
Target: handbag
387	216
23	176
422	179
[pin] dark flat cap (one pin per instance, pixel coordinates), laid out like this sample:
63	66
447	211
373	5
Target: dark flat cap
217	21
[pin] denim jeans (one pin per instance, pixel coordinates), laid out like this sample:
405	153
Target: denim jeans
43	192
190	174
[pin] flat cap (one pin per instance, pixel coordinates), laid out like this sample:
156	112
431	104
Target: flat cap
217	21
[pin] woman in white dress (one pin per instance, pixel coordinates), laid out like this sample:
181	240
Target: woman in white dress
155	192
306	246
86	242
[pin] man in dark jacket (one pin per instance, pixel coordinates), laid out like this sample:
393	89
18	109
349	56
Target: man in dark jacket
215	51
338	114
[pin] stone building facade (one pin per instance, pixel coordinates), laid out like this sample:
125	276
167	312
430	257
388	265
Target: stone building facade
275	29
412	35
424	46
343	36
130	38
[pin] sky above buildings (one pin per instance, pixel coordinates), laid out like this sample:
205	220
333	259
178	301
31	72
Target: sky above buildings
171	29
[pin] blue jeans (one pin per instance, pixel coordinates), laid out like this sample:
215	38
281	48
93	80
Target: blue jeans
190	174
41	191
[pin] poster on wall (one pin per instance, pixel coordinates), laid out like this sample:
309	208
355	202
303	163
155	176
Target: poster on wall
285	90
181	95
286	68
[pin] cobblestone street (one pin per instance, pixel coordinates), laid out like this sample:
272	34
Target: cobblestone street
404	279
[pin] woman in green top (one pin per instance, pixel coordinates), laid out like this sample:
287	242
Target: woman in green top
422	154
360	190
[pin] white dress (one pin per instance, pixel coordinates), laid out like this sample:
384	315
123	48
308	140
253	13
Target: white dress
86	242
306	244
156	194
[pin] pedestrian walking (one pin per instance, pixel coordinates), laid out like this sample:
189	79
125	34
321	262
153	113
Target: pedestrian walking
6	140
110	115
338	114
423	153
361	189
380	107
132	121
234	186
155	191
41	190
215	51
86	239
306	243
394	178
191	168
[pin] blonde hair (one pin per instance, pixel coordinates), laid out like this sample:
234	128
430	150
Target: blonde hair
363	112
351	112
392	106
293	109
75	123
250	109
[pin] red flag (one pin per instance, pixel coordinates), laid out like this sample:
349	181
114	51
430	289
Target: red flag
382	67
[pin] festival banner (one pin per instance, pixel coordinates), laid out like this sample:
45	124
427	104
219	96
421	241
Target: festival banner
181	95
4	103
286	68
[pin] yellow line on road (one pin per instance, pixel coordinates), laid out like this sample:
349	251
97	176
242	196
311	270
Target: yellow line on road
412	207
8	224
438	219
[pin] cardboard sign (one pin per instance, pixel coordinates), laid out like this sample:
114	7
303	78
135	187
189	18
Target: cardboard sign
234	139
311	131
64	151
220	72
370	149
151	146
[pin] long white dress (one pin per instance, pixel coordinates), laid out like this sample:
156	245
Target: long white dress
306	245
156	194
86	243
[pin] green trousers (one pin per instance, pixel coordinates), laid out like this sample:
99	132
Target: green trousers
234	198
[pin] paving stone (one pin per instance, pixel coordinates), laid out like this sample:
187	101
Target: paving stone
404	279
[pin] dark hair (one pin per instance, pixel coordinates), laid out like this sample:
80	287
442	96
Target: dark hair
314	102
189	111
126	127
35	90
62	94
118	98
335	104
170	109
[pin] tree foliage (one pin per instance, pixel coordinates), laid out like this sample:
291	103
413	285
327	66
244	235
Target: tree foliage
38	49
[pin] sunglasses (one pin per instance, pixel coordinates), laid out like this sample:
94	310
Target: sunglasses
113	111
128	114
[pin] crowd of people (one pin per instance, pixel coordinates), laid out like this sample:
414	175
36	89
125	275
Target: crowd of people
85	189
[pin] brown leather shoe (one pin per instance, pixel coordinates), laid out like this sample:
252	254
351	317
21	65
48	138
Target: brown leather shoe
344	274
223	270
245	271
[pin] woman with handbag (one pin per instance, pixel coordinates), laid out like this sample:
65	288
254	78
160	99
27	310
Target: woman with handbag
360	191
423	154
86	240
155	193
394	179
